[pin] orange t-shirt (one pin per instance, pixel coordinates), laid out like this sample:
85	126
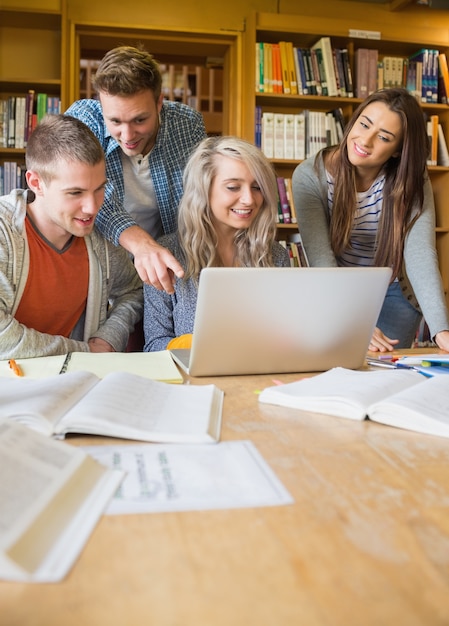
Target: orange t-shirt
55	294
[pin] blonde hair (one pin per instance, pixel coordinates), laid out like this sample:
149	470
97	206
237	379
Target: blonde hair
197	236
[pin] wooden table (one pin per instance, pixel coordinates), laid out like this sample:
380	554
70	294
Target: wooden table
366	542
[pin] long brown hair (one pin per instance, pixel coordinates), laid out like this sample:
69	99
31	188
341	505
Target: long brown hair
403	192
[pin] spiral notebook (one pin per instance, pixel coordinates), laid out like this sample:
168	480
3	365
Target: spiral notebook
274	320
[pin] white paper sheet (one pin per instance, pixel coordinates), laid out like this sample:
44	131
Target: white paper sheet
183	477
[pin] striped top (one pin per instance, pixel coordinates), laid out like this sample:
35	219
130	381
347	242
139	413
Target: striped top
362	244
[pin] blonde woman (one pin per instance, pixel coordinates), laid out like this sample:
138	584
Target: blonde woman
226	218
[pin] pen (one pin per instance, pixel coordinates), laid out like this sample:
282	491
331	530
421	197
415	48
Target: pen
396	366
15	368
378	363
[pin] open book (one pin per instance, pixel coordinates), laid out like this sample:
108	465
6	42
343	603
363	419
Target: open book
51	497
118	405
154	365
401	398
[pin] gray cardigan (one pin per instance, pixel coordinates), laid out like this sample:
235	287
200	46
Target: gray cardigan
421	279
114	301
168	316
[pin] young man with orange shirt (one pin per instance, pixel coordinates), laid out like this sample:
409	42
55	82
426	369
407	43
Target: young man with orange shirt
63	287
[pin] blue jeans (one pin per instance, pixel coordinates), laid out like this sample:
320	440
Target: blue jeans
398	319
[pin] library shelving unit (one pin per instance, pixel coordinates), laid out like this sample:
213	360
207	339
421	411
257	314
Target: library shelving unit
32	55
305	31
208	59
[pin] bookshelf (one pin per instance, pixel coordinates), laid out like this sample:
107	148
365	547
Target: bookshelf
32	56
207	61
397	39
195	85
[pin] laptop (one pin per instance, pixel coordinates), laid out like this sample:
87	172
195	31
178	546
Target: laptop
278	320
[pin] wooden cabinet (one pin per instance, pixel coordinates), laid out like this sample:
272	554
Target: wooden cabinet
32	56
304	31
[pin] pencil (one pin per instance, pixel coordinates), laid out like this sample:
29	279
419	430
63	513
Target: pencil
15	368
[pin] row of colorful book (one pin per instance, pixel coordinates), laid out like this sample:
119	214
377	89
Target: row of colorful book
424	74
296	136
320	70
296	250
323	70
19	115
12	176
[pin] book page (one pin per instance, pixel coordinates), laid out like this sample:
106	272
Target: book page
161	477
341	392
423	408
40	403
154	365
39	367
129	406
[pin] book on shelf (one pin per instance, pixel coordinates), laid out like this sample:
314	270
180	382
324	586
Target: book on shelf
30	118
414	79
348	73
277	68
432	132
373	60
311	82
325	45
443	153
301	77
339	72
260	83
279	135
20	123
291	68
291	200
361	72
395	397
320	71
268	134
285	66
283	200
11	128
443	79
41	106
428	59
258	126
51	497
289	136
393	72
316	76
267	68
299	136
120	405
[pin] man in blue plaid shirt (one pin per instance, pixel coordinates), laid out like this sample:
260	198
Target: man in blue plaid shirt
147	141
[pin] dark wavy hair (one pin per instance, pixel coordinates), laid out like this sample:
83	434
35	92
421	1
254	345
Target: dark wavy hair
403	193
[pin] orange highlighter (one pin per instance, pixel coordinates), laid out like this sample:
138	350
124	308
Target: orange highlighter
15	368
